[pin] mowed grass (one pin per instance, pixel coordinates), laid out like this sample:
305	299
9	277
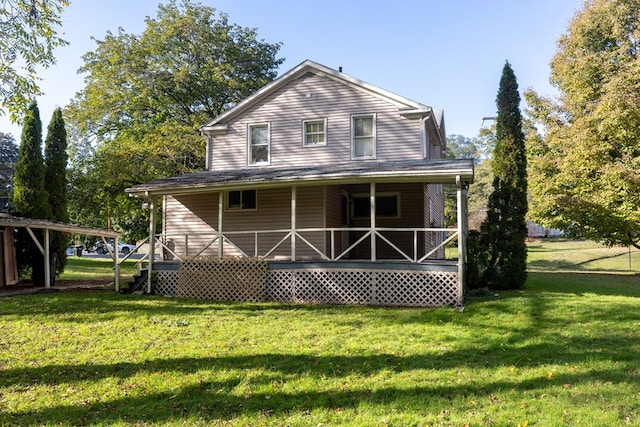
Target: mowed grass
78	268
563	351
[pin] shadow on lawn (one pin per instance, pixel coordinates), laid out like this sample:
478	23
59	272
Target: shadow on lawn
215	398
222	386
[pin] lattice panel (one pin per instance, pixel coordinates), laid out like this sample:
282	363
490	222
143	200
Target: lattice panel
279	285
229	280
332	286
223	278
406	288
164	282
416	288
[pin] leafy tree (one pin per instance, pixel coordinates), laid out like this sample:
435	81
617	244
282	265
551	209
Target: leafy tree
55	151
29	197
504	231
146	95
27	39
479	149
585	170
8	158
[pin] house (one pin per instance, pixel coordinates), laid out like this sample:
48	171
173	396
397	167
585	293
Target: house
318	188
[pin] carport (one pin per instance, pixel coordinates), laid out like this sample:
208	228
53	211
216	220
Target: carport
11	222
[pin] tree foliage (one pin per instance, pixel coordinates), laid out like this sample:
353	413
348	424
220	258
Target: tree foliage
504	231
28	37
8	158
55	150
585	171
145	97
29	197
480	150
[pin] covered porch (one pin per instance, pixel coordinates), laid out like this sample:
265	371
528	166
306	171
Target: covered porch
379	257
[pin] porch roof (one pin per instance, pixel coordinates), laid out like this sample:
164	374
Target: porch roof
443	171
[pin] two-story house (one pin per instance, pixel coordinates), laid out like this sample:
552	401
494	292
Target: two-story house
335	185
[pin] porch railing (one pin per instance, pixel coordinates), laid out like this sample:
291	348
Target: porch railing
340	243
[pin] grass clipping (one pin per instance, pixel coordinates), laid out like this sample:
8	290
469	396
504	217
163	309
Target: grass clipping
223	278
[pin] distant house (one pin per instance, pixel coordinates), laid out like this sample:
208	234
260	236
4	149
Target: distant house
329	188
539	231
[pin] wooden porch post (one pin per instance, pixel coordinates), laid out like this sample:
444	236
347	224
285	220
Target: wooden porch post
116	264
220	210
152	237
47	260
294	196
463	226
372	214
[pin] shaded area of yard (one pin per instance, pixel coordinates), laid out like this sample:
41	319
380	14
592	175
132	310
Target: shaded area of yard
563	351
543	356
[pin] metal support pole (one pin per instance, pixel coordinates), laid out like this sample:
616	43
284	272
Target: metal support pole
152	239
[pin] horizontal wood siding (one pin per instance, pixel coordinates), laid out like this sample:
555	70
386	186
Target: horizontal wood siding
192	215
197	216
317	97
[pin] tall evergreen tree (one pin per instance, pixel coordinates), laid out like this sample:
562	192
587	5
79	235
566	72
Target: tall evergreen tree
29	197
504	231
55	151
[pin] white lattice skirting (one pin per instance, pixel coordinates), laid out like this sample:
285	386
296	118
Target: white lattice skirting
314	284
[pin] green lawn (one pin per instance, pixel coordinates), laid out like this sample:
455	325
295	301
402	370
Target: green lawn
564	351
79	268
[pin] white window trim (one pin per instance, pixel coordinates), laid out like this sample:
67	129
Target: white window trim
353	131
304	132
251	126
397	195
238	209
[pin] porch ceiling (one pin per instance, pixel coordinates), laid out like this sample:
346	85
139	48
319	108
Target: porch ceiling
431	171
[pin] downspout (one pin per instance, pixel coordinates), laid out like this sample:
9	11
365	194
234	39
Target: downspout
425	137
207	159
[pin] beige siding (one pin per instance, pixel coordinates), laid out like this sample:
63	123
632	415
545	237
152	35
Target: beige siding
197	217
316	97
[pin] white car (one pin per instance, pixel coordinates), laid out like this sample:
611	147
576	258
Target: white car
123	248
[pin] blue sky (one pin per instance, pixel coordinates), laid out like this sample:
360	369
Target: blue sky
445	54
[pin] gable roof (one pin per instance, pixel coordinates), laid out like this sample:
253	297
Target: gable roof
406	107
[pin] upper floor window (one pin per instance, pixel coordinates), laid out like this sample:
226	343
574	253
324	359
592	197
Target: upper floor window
314	132
259	144
363	137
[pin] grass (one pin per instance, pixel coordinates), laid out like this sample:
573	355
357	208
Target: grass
79	268
581	256
564	351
